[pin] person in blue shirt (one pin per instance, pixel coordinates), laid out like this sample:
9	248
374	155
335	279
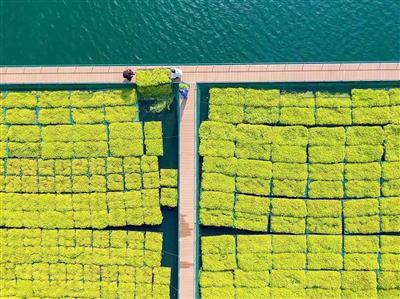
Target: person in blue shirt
184	90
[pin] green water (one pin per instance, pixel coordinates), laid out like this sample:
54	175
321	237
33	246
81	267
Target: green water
45	32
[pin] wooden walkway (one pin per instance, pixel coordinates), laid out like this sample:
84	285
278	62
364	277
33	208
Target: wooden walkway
187	140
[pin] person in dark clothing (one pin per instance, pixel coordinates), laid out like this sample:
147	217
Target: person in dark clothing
128	74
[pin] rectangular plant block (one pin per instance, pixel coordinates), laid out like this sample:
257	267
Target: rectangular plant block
369	97
389	280
23	133
20	116
363	171
218	182
358	280
153	130
254	261
215	279
324	208
226	113
288	261
149	163
256	205
261	115
289	279
333	116
363	261
364	153
324	225
390	206
390	262
326	99
289	244
390	170
361	244
327	280
251	279
391	188
227	96
154	147
217	148
218	244
358	135
151	180
390	224
289	188
254	168
291	292
169	177
24	150
213	200
297	99
287	153
324	261
289	207
281	224
359	189
360	207
326	154
216	217
254	133
326	172
54	116
362	225
256	186
324	244
126	131
297	116
251	222
291	135
291	171
226	166
327	136
169	197
254	243
20	99
261	98
121	114
371	116
326	189
217	131
251	150
88	115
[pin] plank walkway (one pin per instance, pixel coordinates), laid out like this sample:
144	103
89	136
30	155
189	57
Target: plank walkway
187	141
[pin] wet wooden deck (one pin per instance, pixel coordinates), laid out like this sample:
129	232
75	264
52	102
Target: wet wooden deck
194	75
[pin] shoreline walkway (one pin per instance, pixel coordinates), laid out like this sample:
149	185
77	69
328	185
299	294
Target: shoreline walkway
188	139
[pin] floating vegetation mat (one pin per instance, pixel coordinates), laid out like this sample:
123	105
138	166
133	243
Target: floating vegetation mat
74	164
300	164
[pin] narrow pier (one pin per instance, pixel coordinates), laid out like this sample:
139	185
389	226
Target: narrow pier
187	141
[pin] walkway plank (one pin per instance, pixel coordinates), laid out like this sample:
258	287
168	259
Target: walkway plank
187	140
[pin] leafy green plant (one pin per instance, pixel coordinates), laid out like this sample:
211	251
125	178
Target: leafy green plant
254	168
360	189
290	188
54	116
227	166
121	114
261	98
288	153
328	172
214	200
371	115
283	224
358	280
358	135
87	115
362	171
289	207
369	97
20	116
23	133
327	136
261	115
333	116
169	177
290	171
326	154
227	113
364	153
252	150
256	186
297	116
253	133
227	96
217	182
291	135
217	148
217	131
326	189
153	82
169	197
216	217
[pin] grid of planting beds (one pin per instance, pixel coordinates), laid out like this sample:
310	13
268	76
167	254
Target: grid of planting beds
289	266
81	160
82	263
292	175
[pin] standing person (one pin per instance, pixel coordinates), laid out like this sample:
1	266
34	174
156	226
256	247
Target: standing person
176	75
128	74
184	90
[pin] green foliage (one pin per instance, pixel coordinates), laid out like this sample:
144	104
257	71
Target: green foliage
333	116
359	189
305	99
227	96
149	164
261	98
151	180
254	243
217	131
358	135
289	171
324	244
253	133
252	150
329	280
216	279
154	147
290	279
256	186
254	168
152	77
23	133
328	172
324	99
358	280
371	116
218	182
288	153
283	224
290	188
324	208
169	177
325	189
153	130
227	113
20	99
217	148
227	166
289	207
121	114
288	244
363	171
391	187
369	97
252	204
324	261
169	197
326	154
297	116
20	116
291	135
128	131
218	245
261	115
54	116
327	136
88	115
216	217
390	170
358	261
217	200
211	293
364	153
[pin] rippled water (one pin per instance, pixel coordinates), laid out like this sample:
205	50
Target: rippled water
197	31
